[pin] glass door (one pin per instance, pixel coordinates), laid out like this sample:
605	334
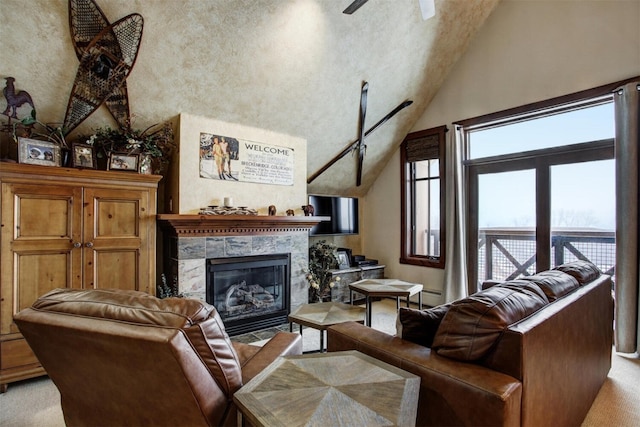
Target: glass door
583	213
506	225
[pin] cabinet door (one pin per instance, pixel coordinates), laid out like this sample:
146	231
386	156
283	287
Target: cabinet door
40	225
116	239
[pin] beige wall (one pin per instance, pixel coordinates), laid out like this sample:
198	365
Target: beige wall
190	192
528	50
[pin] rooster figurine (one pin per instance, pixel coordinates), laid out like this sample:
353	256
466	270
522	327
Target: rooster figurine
15	100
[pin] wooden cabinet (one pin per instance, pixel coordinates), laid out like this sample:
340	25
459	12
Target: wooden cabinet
68	228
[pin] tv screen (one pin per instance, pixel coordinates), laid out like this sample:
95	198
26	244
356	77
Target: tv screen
342	210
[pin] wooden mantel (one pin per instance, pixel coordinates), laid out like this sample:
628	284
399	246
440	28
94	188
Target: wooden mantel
203	225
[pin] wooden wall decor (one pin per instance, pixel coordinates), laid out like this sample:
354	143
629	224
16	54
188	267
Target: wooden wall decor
107	53
358	146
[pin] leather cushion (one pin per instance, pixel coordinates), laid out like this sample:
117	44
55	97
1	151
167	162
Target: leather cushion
583	271
473	324
420	326
554	283
198	320
127	306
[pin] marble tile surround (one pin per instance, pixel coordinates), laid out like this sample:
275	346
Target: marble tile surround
193	252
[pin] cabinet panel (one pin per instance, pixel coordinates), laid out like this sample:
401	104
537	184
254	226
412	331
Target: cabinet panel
375	273
43	217
117	217
117	269
116	232
37	245
43	272
16	353
42	212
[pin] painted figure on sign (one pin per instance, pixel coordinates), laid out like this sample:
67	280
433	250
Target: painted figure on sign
218	157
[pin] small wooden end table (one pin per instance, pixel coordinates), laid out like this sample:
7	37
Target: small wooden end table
343	388
324	314
385	288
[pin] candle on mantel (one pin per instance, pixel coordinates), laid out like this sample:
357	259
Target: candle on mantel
228	202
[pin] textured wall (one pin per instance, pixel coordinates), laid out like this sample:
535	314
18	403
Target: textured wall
293	67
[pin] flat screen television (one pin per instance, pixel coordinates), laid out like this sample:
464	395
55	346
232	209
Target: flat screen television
342	210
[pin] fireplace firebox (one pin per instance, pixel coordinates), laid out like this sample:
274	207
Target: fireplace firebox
250	292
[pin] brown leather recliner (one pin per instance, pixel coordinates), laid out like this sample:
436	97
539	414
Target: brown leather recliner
128	358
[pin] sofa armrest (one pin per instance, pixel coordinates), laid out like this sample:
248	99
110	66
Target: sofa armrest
254	359
451	392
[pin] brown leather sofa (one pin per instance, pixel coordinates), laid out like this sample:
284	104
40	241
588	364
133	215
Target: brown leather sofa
128	358
528	352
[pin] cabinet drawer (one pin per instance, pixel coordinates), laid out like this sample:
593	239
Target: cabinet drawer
16	353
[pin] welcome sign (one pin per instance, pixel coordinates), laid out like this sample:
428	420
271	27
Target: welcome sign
232	159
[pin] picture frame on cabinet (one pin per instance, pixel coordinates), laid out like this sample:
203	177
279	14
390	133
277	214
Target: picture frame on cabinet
343	259
349	255
83	156
36	152
123	162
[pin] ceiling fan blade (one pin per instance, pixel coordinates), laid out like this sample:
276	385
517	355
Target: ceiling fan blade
361	146
428	8
354	6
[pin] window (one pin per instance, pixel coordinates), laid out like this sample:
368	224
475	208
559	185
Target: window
541	189
422	198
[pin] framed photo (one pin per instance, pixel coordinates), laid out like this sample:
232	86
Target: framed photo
83	156
343	259
123	162
35	152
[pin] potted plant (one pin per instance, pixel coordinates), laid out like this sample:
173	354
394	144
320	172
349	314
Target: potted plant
322	259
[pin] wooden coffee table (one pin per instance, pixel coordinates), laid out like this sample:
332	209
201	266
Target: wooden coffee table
344	388
324	314
385	288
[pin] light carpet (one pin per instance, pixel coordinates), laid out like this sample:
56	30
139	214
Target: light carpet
36	402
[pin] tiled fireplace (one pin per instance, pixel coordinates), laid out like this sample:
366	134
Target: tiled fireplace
193	244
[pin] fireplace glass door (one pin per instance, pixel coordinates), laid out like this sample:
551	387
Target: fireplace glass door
250	293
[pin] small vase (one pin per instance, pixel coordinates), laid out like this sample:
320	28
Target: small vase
102	162
145	164
65	157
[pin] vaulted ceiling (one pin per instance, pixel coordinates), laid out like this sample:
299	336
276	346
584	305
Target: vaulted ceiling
288	66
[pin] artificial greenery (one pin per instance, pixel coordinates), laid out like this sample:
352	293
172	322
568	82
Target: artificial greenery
30	127
322	259
163	290
156	141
